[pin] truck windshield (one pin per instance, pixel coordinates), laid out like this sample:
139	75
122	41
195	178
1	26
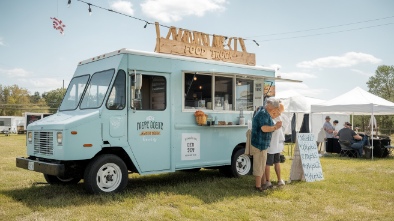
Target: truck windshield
97	89
74	93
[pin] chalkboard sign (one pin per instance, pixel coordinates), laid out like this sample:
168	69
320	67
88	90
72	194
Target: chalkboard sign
309	157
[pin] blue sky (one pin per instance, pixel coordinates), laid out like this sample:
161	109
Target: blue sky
332	46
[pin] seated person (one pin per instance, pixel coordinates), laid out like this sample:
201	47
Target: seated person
356	141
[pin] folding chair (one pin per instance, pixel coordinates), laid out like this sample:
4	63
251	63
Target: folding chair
346	150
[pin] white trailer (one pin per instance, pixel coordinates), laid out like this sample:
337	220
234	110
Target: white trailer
10	124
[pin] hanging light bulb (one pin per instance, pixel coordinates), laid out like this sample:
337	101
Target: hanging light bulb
145	24
69	3
195	78
90	10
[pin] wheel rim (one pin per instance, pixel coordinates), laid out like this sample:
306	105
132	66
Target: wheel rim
243	164
109	177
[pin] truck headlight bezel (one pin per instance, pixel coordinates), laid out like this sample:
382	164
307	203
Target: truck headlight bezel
30	137
59	138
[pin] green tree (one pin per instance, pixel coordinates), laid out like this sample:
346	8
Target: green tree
382	85
35	98
54	98
14	100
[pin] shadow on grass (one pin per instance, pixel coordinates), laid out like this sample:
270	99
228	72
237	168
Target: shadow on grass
209	186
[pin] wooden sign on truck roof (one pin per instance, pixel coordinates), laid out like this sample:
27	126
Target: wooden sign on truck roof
198	44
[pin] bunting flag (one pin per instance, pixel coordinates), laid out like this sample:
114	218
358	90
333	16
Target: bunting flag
58	25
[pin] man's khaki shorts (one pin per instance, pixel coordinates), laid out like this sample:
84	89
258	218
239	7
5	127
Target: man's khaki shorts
259	160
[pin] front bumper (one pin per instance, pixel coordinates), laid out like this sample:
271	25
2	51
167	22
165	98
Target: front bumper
40	166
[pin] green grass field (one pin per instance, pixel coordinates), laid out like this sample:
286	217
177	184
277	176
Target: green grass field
352	189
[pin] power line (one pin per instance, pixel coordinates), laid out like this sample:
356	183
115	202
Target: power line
314	29
326	33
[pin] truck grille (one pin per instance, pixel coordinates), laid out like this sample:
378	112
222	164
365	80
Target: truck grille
43	143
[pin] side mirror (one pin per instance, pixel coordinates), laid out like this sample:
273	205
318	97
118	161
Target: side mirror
138	81
136	90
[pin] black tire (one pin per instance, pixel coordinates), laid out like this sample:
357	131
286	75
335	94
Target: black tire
241	164
106	174
55	180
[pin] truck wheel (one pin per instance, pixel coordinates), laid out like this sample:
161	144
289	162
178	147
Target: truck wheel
106	174
55	180
241	165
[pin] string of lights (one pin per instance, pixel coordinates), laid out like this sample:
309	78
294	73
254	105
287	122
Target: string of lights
146	22
90	5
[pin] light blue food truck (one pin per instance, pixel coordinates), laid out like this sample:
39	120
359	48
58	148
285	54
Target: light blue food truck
134	112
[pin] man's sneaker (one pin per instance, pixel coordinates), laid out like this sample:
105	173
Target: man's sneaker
281	183
267	185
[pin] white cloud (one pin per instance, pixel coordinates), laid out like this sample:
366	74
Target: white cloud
169	11
45	83
360	72
296	75
27	80
301	88
122	6
1	41
14	73
347	60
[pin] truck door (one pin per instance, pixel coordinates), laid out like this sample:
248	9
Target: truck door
115	113
149	122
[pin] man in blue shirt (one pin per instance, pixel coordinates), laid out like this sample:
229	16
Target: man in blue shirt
356	141
262	128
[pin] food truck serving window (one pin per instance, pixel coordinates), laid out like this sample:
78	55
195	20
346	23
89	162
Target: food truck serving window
217	92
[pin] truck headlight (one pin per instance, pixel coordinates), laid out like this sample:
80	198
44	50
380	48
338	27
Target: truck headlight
29	137
59	138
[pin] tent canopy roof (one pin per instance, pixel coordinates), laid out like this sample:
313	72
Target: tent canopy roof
356	101
294	102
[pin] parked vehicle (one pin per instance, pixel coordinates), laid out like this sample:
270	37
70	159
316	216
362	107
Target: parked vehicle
130	111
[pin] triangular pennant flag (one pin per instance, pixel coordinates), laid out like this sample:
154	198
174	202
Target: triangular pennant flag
58	25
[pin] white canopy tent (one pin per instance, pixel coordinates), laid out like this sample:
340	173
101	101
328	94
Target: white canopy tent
356	102
295	103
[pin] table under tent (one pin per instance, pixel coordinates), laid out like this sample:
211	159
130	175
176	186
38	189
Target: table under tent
360	102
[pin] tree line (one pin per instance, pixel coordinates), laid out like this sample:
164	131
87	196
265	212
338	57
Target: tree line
382	85
14	101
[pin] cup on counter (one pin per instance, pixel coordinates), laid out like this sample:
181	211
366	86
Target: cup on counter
241	121
209	105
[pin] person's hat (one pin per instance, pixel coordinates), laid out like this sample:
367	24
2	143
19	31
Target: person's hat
348	124
336	121
328	117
